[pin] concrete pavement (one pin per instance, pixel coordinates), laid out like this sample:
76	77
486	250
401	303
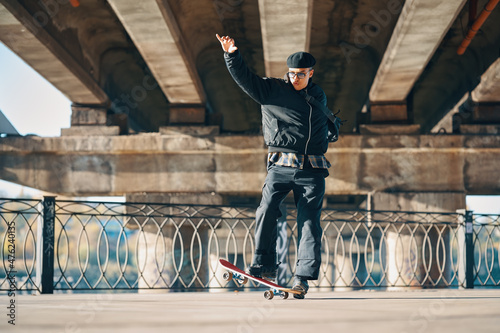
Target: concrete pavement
342	311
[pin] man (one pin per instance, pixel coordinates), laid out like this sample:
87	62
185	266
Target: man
296	133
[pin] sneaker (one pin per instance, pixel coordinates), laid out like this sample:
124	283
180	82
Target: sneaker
263	272
301	285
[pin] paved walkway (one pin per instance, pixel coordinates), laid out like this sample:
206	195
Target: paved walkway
347	311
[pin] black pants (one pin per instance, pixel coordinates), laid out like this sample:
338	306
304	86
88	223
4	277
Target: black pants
308	186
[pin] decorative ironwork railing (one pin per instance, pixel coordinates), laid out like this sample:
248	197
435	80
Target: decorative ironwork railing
19	226
73	245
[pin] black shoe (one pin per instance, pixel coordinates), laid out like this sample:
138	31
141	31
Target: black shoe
263	272
300	284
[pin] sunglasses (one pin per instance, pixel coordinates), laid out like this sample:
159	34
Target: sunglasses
299	75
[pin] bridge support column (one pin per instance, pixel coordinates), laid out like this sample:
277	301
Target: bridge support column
396	112
484	118
94	120
187	114
387	118
417	251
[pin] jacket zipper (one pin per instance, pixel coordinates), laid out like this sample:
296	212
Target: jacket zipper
310	126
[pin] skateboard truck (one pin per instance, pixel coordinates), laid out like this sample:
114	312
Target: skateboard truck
269	294
238	277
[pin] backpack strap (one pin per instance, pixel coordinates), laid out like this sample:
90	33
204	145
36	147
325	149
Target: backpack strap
320	106
333	131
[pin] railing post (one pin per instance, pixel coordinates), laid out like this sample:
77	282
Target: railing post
469	250
47	273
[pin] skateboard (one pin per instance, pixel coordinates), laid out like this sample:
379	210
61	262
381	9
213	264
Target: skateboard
242	277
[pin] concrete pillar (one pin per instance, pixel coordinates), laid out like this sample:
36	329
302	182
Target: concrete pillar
388	118
172	247
417	254
187	114
94	120
389	112
483	118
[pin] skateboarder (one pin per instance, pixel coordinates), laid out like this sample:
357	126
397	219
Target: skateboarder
296	133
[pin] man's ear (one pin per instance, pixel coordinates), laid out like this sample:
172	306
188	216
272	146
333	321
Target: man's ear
311	72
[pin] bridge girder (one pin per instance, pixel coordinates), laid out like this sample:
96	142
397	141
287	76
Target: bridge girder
231	164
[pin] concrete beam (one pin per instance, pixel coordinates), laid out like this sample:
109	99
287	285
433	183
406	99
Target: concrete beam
26	37
361	164
480	107
420	29
154	30
489	88
418	201
286	28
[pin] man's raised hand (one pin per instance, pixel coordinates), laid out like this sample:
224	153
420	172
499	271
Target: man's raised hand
227	43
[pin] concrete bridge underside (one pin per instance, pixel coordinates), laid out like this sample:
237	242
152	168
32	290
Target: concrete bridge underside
156	63
155	110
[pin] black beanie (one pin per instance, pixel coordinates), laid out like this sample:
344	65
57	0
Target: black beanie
300	60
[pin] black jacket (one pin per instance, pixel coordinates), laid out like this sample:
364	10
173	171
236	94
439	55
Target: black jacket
289	122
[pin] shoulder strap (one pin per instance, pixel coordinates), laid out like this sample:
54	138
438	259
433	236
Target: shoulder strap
322	107
336	122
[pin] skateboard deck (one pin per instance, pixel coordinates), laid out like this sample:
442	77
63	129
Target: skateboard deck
242	277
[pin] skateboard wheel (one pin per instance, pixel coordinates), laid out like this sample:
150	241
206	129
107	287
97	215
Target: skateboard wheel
227	276
244	280
284	295
268	294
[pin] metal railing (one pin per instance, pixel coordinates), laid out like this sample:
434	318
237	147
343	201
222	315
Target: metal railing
62	245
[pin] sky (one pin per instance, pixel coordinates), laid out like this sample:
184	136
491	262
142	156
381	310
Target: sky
36	107
29	101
